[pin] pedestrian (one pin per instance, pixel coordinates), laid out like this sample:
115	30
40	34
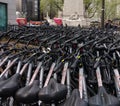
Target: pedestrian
108	25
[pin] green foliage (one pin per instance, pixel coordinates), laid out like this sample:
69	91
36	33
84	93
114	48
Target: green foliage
93	7
111	9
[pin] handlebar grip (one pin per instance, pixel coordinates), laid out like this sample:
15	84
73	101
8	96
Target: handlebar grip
115	48
27	35
73	66
17	55
41	56
5	53
59	66
96	63
30	58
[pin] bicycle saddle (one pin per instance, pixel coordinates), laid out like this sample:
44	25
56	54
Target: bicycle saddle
103	99
54	92
10	86
28	94
74	100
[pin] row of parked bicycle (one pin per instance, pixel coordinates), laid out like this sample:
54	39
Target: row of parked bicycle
59	66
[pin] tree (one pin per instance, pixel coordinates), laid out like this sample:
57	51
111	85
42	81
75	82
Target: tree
93	7
111	9
51	7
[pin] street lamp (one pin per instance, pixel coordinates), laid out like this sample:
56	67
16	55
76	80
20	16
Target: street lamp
103	14
38	10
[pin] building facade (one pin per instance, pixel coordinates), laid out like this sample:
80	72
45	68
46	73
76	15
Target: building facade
11	10
28	7
7	13
32	9
19	5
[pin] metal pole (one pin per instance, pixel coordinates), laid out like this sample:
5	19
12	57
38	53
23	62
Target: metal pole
26	10
103	14
38	10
